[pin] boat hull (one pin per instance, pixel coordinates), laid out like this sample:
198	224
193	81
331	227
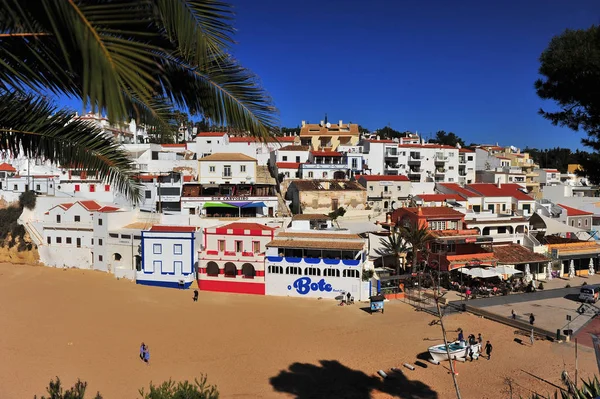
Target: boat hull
457	351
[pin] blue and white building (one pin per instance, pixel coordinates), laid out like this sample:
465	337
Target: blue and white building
318	265
169	256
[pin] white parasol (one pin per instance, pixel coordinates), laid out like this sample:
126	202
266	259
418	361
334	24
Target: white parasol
506	269
528	276
481	272
591	270
571	269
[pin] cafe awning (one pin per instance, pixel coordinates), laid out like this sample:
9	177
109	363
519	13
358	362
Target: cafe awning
218	205
255	205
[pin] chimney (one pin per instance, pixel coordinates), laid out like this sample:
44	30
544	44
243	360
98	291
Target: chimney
303	123
340	124
322	123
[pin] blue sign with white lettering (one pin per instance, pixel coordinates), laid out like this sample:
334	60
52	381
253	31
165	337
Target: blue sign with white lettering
304	285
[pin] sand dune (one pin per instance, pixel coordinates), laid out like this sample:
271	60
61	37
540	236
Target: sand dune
86	324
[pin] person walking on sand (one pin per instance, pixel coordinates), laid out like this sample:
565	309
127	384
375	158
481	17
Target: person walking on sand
147	356
531	319
142	350
488	350
479	339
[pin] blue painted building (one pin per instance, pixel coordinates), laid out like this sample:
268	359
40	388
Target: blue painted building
169	256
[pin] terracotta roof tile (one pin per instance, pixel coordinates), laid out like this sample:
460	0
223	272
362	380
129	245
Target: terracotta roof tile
326	153
312	129
574	211
333	236
303	148
90	205
425	146
173	145
435	211
463	192
382	178
226	156
173	229
245	226
4	167
515	254
505	190
288	165
211	134
439	197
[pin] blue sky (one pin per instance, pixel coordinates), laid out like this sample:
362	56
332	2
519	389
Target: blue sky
463	66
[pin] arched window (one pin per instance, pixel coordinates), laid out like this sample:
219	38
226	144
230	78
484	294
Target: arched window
212	269
350	273
230	270
312	271
116	257
331	273
248	270
275	269
293	270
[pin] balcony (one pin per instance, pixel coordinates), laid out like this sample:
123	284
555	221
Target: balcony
315	261
336	166
440	171
462	160
350	149
391	153
440	158
232	255
392	166
386	194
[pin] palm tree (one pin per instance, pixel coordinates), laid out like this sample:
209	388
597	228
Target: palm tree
418	237
138	59
394	245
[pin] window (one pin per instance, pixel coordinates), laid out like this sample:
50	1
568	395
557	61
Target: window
586	222
156	265
275	269
148	194
77	188
92	240
157	249
310	174
77	218
312	271
331	273
572	223
78	239
107	187
100	241
178	249
208	141
450	167
221	245
579	223
137	237
57	218
350	273
256	245
113	235
284	158
242	168
297	159
126	236
354	163
58	240
211	169
370	188
399	188
293	270
324	175
491	207
99	222
437	225
227	171
502	230
385	189
239	246
38	187
68	240
92	188
49	240
100	258
469	158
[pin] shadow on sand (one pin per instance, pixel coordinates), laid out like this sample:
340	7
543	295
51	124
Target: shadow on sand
331	379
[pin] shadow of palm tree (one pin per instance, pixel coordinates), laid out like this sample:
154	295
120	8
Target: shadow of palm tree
334	380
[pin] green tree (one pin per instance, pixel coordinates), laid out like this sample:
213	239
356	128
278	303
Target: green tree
395	245
418	237
55	391
128	59
182	390
589	390
338	213
441	137
27	200
570	70
389	133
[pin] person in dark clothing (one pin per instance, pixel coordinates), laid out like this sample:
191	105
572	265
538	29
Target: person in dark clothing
513	314
348	295
488	349
461	336
195	295
142	350
531	319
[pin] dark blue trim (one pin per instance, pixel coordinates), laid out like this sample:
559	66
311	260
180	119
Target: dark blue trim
168	238
274	258
293	260
174	253
313	261
351	262
331	261
154	249
165	284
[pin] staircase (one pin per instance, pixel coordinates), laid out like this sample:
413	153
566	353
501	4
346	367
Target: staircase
36	237
282	207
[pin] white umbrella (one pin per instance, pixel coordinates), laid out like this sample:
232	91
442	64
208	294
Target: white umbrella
506	269
591	270
571	269
482	273
528	276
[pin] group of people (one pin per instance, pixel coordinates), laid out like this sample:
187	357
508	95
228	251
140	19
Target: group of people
145	353
513	316
472	341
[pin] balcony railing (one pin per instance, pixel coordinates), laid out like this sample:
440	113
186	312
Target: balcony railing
315	261
462	160
441	158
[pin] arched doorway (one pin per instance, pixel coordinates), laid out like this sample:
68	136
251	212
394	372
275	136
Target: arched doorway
385	205
212	269
117	257
339	175
138	263
230	270
248	270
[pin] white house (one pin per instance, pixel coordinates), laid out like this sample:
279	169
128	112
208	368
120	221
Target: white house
233	258
227	168
386	192
547	177
325	164
168	256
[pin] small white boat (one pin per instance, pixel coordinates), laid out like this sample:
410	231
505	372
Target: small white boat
458	350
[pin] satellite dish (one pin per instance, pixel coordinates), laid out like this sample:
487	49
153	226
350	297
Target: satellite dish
328	125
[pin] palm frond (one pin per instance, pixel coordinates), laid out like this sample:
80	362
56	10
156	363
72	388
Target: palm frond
38	130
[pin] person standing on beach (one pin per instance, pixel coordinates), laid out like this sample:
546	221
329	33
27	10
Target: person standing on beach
513	314
142	350
488	349
461	336
479	339
531	319
147	356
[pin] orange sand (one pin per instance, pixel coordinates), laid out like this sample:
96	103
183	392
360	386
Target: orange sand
85	324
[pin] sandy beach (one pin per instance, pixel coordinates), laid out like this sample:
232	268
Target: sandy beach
74	323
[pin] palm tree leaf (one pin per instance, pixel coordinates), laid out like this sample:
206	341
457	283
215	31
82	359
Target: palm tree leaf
38	130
